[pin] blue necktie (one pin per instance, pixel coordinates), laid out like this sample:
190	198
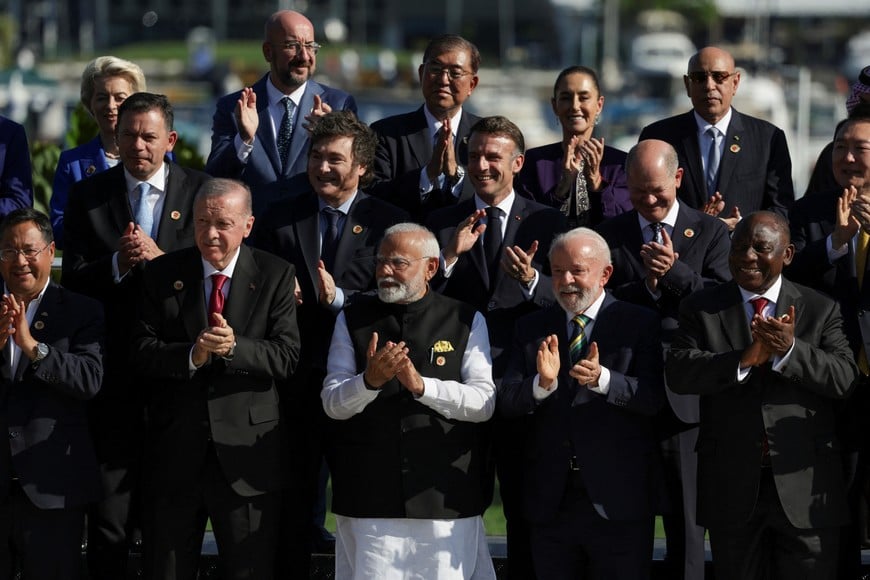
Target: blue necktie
713	157
144	211
657	232
286	130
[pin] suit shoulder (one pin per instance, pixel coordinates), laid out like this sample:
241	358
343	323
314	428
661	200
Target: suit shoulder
383	210
616	227
397	125
662	128
79	303
269	261
630	311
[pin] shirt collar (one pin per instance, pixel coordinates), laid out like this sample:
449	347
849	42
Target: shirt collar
772	293
506	204
208	269
275	95
343	208
670	218
722	125
156	181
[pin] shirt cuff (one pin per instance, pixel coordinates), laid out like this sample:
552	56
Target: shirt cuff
835	254
243	150
780	361
529	291
603	382
427	186
116	271
540	393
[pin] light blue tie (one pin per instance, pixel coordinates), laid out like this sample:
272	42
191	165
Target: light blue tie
286	130
713	157
144	211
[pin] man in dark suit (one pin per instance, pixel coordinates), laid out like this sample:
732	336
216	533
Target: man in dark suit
16	177
421	155
51	341
217	332
770	360
259	134
734	164
332	264
111	235
501	270
590	463
662	251
829	231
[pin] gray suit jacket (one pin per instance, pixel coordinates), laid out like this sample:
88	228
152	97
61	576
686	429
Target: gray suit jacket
795	408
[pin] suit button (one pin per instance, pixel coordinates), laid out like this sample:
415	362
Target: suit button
13	434
491	305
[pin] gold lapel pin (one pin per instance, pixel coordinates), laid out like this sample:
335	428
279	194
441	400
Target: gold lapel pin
178	285
39	325
175	215
357	229
735	148
440	361
689	233
90	170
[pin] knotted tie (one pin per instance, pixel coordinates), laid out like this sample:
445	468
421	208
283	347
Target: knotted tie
579	341
758	304
216	300
286	130
713	157
329	245
657	228
144	212
492	240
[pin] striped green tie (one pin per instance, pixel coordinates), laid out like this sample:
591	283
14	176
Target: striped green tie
579	342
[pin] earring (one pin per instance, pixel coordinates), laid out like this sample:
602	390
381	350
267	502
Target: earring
597	119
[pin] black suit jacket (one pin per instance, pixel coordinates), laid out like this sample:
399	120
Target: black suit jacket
755	170
404	148
291	230
702	244
232	403
611	436
97	214
43	407
795	408
469	282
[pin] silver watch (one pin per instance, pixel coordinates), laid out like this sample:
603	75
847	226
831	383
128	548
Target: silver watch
41	352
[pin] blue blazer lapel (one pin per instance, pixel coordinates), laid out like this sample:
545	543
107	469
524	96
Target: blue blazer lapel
265	133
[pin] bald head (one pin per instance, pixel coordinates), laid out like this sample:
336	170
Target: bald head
288	47
286	20
711	82
653	175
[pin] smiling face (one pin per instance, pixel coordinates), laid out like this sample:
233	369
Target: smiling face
652	187
759	251
288	68
711	99
851	155
578	274
143	142
332	171
577	104
25	278
109	93
443	93
403	272
493	160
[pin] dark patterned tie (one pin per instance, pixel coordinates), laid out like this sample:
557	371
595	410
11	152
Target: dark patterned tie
492	239
579	341
216	299
286	130
329	246
657	228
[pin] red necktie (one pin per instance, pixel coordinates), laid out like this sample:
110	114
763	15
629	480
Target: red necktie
216	300
758	304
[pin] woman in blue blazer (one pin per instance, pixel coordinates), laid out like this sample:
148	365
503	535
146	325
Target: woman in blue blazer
106	82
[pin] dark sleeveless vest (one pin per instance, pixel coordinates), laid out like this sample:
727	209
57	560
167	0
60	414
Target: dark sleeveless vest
399	458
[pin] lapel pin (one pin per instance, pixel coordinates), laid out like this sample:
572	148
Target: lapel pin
689	233
39	325
357	229
175	215
90	170
178	285
735	148
517	218
440	361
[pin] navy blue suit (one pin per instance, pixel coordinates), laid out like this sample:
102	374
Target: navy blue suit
16	177
610	435
266	175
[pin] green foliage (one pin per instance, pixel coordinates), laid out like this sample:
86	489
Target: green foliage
43	160
82	127
186	155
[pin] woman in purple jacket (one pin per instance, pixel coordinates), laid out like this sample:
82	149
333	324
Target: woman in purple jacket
580	175
106	82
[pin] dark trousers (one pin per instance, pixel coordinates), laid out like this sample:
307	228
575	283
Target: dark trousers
582	545
768	547
245	529
685	556
45	543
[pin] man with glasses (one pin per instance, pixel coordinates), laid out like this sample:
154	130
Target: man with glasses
259	134
409	380
51	365
734	164
421	155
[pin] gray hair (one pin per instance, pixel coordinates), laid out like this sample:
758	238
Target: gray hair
221	186
428	243
596	242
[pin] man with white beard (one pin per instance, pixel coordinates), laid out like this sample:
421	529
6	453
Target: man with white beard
589	370
409	380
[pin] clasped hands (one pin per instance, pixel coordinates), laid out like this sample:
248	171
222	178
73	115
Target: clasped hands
388	362
135	246
771	336
587	371
658	259
218	340
443	161
853	213
581	154
13	322
716	205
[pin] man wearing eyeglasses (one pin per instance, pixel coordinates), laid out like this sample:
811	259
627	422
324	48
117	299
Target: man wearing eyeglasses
734	164
421	157
409	380
259	134
51	365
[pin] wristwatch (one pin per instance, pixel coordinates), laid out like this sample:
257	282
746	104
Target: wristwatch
41	352
457	177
